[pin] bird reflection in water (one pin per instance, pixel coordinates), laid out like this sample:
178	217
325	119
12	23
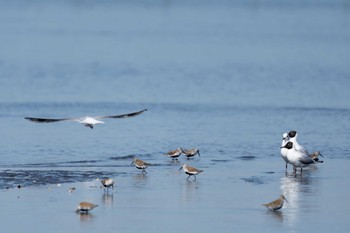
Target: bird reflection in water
85	217
279	215
296	189
107	198
189	189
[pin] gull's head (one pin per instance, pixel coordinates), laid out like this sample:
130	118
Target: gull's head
292	134
285	136
289	145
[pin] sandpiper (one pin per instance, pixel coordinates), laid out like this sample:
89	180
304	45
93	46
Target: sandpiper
174	154
315	155
85	207
298	158
139	164
107	183
190	171
86	121
276	204
191	152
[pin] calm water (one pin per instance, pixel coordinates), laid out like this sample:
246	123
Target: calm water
227	78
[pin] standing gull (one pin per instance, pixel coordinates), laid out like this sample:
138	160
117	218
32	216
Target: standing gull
284	151
292	135
86	121
298	158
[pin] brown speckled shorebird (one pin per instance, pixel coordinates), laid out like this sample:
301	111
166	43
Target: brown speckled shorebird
85	207
190	171
174	154
276	204
139	164
191	152
107	183
315	155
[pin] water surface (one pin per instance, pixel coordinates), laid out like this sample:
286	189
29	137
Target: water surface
227	78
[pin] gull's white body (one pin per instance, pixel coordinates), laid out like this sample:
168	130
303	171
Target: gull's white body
298	158
89	121
284	151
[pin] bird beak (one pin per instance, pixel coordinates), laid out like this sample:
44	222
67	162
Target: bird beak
199	154
321	155
180	168
132	163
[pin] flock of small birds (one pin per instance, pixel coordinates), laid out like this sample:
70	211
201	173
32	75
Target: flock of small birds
84	207
291	152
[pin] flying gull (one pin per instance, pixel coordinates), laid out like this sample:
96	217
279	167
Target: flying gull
86	121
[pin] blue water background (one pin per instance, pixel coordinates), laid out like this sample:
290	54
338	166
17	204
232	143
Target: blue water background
227	77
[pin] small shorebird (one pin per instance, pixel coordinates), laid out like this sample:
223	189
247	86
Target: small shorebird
284	151
276	204
174	154
139	164
298	158
107	183
190	171
85	207
191	152
86	121
315	155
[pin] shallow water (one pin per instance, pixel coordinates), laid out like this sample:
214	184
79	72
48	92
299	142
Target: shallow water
226	78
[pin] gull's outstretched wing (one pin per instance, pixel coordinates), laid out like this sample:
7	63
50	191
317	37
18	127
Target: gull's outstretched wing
47	120
123	115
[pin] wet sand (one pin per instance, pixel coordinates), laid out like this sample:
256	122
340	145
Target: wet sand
226	197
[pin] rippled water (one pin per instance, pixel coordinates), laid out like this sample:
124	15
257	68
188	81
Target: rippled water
229	79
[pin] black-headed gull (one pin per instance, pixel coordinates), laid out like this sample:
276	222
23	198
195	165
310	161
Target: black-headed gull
293	138
298	158
284	151
86	121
